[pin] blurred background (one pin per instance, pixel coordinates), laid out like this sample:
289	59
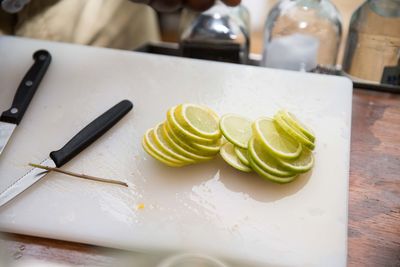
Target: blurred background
299	35
259	10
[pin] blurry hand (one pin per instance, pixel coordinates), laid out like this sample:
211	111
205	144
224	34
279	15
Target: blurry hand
172	5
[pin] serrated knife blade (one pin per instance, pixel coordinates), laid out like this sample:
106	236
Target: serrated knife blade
24	182
79	142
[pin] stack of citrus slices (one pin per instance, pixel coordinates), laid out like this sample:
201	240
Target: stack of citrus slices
277	149
190	134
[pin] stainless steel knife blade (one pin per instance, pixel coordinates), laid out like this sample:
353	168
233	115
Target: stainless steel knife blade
25	182
10	118
6	130
73	147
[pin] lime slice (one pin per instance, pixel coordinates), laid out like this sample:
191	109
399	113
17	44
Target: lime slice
166	148
155	156
276	141
265	160
293	132
181	142
199	120
209	149
151	148
182	150
241	153
302	164
270	177
236	129
292	120
227	152
182	133
184	143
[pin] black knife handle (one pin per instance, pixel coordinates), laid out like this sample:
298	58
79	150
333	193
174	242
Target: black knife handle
27	88
91	133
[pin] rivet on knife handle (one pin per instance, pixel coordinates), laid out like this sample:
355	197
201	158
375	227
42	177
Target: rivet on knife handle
27	88
90	133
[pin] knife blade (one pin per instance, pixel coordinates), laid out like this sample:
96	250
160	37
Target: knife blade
10	118
79	142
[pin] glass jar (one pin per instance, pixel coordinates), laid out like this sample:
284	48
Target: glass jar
191	260
373	46
220	33
301	34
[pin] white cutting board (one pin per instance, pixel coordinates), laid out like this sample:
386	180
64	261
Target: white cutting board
209	207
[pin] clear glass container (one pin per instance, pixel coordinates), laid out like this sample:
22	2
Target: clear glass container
191	260
219	33
301	34
373	45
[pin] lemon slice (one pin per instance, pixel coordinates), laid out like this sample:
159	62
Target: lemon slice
302	164
182	150
293	132
165	147
199	120
151	148
181	142
227	152
209	149
241	153
236	129
292	120
270	177
184	143
265	160
275	140
182	133
155	156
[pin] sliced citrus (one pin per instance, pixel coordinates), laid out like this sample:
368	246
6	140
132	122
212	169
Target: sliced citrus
190	153
155	156
241	153
151	148
208	149
275	140
236	129
185	143
227	152
302	164
265	160
199	120
182	133
292	120
293	132
270	177
166	148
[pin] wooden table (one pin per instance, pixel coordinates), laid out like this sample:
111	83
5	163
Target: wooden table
374	200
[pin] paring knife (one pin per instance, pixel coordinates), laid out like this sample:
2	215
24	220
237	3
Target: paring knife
10	118
79	142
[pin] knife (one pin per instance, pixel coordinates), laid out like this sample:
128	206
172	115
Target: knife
79	142
10	118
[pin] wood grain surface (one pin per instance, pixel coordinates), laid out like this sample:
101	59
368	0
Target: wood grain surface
374	197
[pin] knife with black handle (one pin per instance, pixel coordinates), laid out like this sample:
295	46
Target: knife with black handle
10	118
79	142
90	133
